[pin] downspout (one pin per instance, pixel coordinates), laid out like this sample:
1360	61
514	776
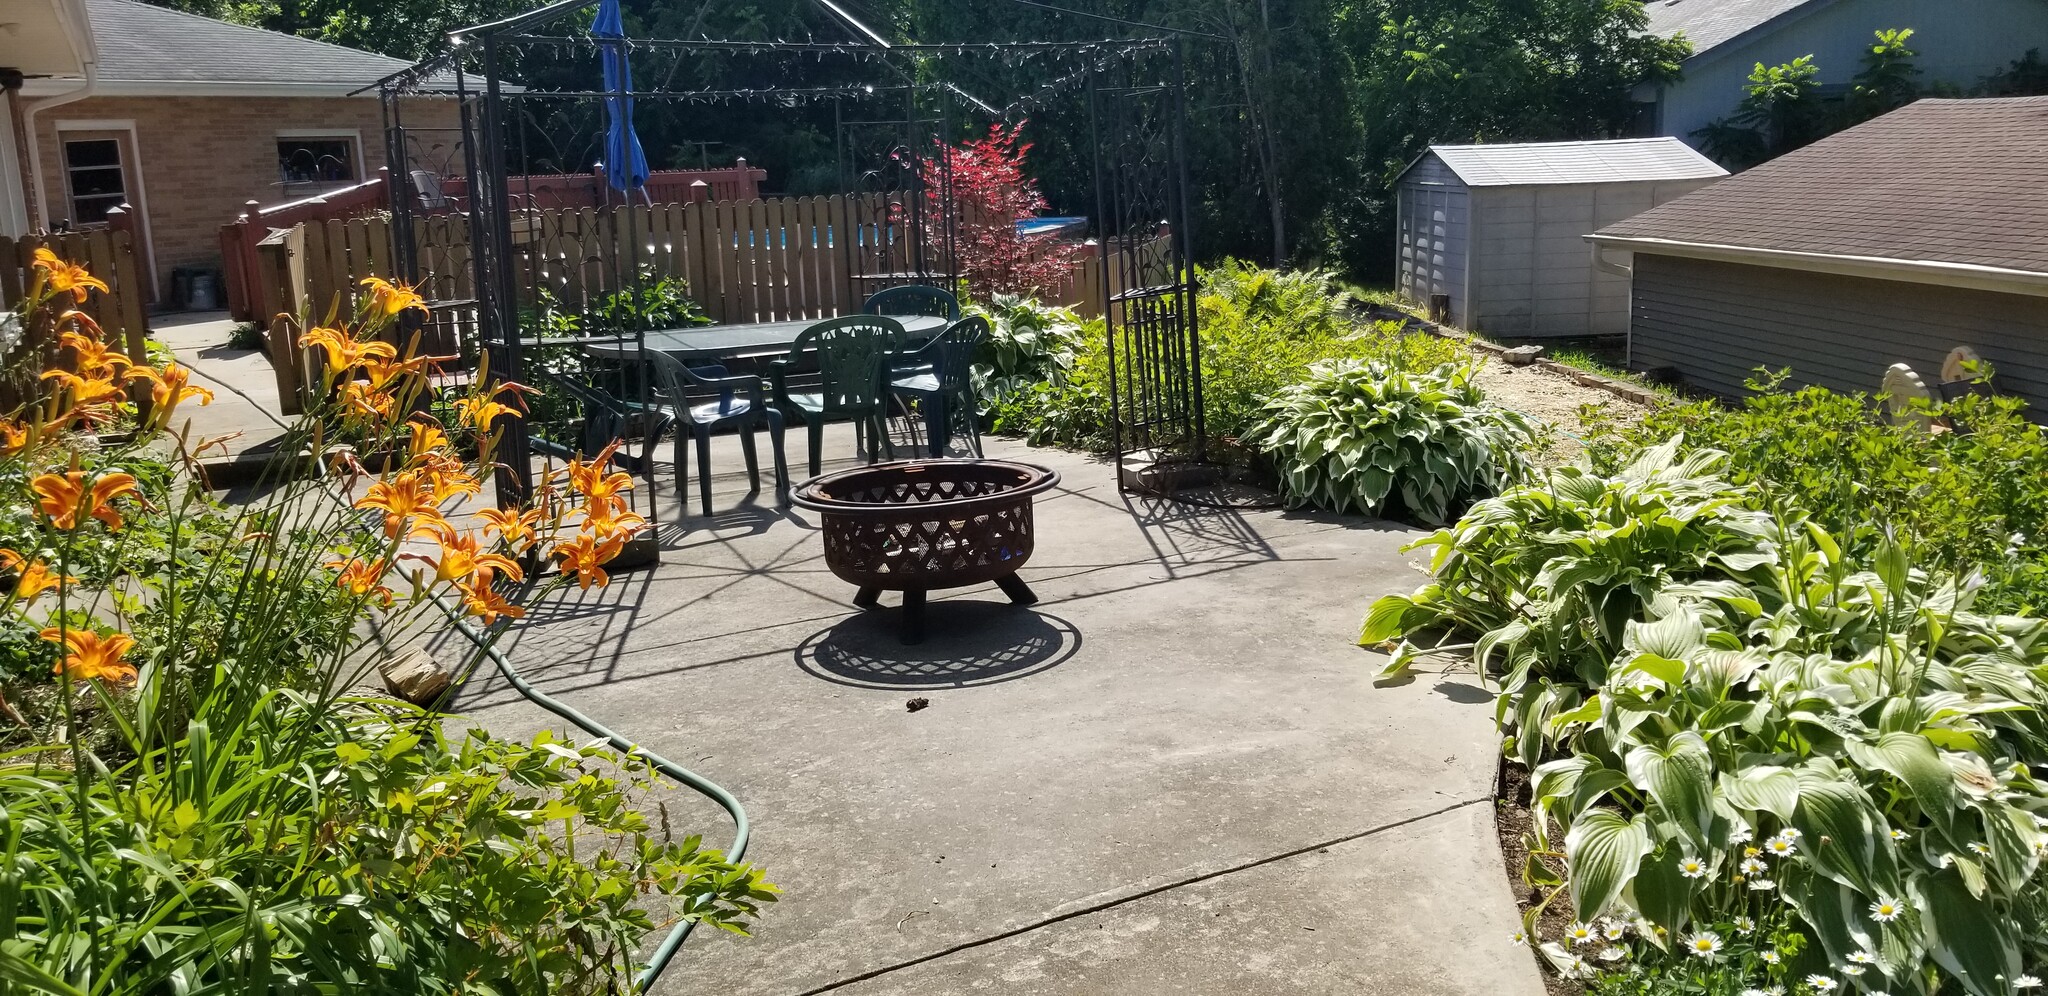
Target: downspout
1627	272
35	145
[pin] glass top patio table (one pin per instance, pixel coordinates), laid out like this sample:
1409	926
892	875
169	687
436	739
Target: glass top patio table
728	342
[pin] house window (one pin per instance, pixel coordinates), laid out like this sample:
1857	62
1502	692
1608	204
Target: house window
98	183
323	161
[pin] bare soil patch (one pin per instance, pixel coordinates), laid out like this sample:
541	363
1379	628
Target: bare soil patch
1555	400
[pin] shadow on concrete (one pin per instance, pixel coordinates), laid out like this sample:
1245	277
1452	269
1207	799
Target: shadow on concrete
1469	694
967	644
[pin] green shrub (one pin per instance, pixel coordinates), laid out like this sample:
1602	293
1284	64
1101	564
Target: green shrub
1029	344
1962	501
1751	740
1358	432
1046	375
1261	329
245	335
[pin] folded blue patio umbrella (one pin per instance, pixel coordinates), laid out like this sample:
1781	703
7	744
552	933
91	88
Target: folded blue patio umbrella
625	164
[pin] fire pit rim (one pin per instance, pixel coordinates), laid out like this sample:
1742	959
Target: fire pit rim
1038	479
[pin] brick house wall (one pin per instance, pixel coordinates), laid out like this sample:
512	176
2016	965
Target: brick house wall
201	159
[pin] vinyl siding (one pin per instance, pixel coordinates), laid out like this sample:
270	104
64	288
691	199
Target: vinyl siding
1532	271
1715	323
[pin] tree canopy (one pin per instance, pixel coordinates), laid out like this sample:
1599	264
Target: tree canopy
1300	111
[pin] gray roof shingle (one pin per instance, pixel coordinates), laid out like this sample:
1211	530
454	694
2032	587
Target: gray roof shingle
144	43
1942	181
1707	23
1620	160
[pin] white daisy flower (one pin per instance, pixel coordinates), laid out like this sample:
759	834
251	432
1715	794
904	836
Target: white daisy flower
1754	866
1613	954
1615	930
1752	992
1578	968
1901	835
1579	933
1780	846
1744	925
1862	957
1740	835
1980	849
1850	970
1774	990
1821	983
1704	944
1520	940
1761	885
2026	982
1692	867
1886	909
1769	957
1790	833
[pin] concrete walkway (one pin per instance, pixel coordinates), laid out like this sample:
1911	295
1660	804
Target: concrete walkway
1173	776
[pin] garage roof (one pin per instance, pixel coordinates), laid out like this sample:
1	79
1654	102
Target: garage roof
1617	161
1950	182
144	44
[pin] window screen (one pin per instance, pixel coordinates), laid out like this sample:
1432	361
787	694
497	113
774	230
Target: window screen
316	160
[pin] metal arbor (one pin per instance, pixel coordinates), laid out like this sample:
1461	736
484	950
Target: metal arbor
890	111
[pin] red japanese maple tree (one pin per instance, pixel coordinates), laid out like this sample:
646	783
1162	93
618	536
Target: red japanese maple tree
989	193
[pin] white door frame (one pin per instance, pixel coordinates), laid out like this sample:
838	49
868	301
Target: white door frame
140	193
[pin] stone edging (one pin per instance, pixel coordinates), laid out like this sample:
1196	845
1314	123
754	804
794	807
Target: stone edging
1585	378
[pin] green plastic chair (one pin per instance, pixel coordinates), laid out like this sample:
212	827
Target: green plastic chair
854	354
913	299
936	376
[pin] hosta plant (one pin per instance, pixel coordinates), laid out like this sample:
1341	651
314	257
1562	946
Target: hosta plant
1737	728
1356	434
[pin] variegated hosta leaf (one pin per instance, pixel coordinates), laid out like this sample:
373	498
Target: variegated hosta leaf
1679	778
1967	935
1763	788
1602	852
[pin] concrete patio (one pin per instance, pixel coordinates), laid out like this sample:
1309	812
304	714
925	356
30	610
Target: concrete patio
1173	775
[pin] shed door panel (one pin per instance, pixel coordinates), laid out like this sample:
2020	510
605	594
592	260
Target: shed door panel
1434	227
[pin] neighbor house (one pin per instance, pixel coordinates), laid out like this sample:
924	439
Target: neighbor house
1894	241
1956	44
183	118
1491	237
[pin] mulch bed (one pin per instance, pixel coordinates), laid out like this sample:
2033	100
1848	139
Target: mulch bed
1511	819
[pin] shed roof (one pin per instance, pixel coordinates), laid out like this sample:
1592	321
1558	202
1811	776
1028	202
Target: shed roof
143	44
1950	182
1617	161
1710	23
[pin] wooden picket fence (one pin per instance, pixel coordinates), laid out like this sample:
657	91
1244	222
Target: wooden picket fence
110	255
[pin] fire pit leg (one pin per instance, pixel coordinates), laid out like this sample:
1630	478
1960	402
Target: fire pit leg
913	616
1014	586
867	598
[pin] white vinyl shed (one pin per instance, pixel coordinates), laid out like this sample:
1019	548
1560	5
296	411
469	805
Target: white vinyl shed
1500	230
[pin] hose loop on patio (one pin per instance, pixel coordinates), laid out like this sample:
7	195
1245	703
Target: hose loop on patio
703	786
482	640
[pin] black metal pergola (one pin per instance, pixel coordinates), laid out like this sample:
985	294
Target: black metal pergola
892	111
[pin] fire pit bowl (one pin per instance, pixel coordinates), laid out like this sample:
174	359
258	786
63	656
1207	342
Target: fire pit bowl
917	525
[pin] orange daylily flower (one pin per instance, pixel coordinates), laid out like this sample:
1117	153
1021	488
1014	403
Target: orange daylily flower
585	556
610	517
591	480
405	497
515	529
391	300
170	388
92	656
94	358
13	437
62	277
362	399
461	559
362	578
483	602
65	498
343	351
33	576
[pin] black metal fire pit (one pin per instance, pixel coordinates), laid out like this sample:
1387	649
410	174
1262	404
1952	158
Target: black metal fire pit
917	525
